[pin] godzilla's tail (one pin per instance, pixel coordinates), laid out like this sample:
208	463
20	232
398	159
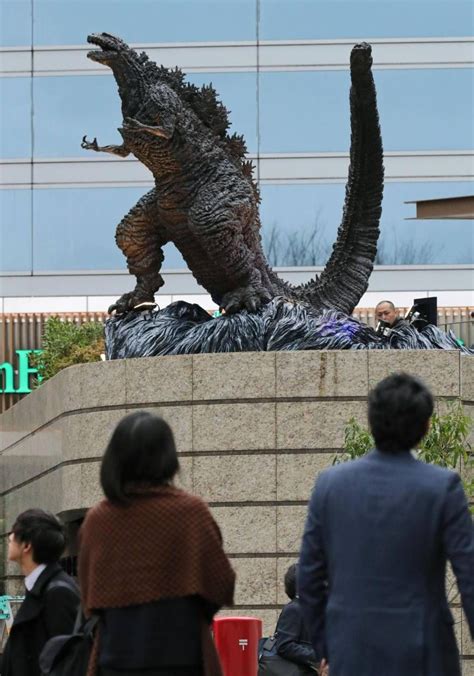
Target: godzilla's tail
346	275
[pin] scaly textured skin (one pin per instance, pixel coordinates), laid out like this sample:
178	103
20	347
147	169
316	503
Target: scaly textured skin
206	202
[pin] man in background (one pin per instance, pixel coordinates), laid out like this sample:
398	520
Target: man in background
36	544
292	636
386	311
378	535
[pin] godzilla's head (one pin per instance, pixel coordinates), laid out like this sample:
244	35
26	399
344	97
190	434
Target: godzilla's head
111	49
126	65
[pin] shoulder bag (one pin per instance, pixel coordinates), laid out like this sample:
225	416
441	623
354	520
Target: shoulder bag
270	663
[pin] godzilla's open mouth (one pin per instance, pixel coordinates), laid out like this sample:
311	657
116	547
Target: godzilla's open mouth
109	47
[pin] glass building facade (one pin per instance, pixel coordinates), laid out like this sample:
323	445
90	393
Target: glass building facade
281	68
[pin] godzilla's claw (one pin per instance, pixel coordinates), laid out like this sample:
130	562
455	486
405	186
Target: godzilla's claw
248	298
120	307
112	309
89	145
231	308
252	305
131	301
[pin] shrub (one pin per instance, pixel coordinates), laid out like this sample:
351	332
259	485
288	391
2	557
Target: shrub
446	444
65	344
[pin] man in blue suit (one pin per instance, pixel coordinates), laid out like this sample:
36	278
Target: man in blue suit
378	535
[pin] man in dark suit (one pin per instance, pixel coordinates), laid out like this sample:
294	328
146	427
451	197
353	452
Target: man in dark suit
292	636
378	535
36	543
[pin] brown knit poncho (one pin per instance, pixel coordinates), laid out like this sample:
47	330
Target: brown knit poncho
163	544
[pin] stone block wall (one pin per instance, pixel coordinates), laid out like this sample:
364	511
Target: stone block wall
253	431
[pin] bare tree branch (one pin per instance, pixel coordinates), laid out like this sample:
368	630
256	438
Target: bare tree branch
305	247
409	252
309	247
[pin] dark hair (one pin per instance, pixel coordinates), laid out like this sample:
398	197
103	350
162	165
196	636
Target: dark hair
141	451
389	302
43	531
290	581
399	409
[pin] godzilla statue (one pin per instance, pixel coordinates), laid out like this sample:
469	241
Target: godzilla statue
206	202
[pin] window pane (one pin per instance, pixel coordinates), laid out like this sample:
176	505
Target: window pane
15	23
78	105
91	105
332	19
300	224
15	117
419	110
15	230
74	229
59	22
81	224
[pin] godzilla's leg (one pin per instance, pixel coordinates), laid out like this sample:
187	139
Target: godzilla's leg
140	237
219	221
121	151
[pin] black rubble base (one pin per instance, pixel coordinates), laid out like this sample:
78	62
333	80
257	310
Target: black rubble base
182	328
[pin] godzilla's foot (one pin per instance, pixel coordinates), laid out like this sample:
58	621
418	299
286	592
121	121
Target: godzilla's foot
361	58
132	301
245	298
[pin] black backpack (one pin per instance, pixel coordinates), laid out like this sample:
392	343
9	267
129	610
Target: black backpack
69	655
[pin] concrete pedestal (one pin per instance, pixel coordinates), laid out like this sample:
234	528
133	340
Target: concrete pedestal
252	429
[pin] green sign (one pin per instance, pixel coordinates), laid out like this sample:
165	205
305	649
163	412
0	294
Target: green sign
22	374
5	606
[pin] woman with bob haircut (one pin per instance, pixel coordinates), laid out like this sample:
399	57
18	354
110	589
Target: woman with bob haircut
151	561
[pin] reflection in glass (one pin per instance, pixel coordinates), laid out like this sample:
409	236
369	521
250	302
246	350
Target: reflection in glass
78	105
300	225
15	117
419	110
74	229
60	22
333	19
15	23
15	231
304	111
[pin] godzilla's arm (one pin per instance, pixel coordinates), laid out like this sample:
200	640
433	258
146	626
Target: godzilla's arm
157	114
345	277
121	151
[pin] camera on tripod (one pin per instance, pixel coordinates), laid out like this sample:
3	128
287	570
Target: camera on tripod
424	311
383	328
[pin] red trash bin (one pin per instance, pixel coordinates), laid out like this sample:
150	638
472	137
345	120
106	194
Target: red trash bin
236	640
